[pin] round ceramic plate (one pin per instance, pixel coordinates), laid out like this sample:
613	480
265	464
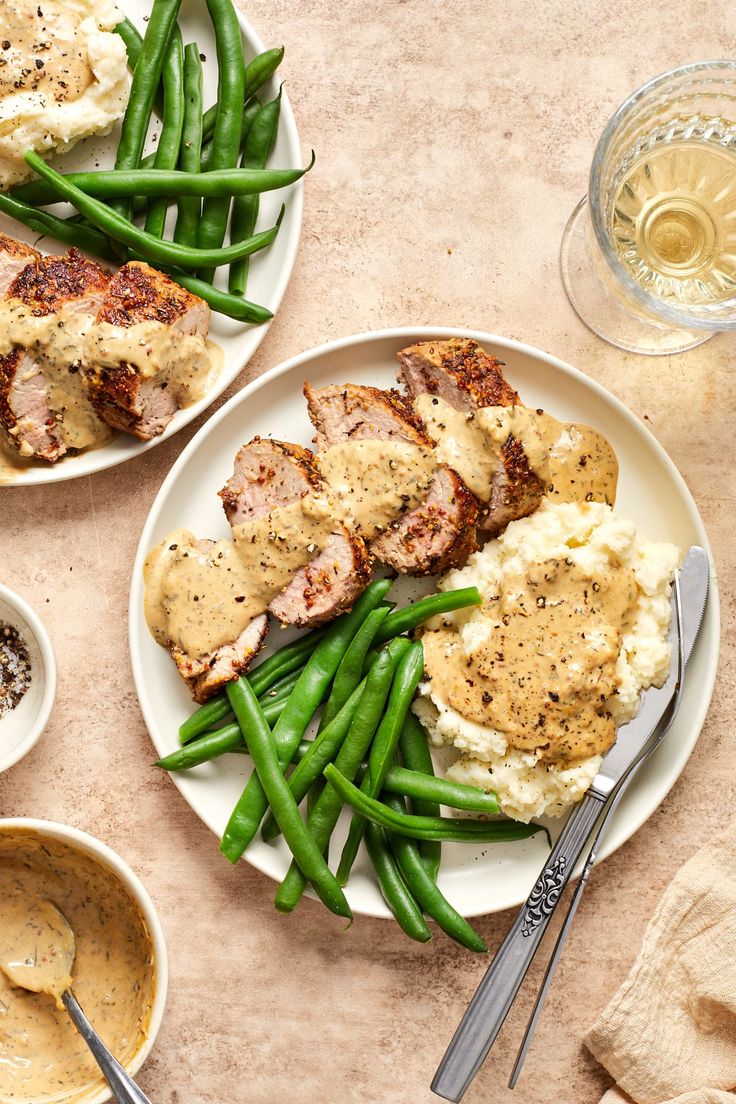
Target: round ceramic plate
269	270
651	492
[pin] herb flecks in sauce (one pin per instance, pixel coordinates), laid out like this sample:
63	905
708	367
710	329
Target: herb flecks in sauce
15	668
374	482
574	462
42	1058
69	345
547	668
37	947
202	594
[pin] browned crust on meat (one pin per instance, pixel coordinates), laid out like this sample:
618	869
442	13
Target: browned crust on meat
54	280
114	395
522	490
15	248
8	368
205	678
357	396
471	368
302	456
139	293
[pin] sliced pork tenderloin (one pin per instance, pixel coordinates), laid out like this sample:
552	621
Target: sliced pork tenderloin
463	375
44	406
170	364
268	474
437	534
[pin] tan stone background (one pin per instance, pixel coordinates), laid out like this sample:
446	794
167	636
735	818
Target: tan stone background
465	126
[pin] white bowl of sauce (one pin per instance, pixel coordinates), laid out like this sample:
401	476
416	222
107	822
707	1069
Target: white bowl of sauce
119	976
27	677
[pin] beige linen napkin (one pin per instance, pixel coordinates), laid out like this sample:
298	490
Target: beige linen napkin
669	1034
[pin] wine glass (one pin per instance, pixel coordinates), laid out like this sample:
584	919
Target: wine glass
649	255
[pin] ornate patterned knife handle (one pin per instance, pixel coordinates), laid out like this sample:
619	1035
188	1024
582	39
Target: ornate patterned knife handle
489	1007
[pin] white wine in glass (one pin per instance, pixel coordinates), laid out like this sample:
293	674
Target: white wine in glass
649	258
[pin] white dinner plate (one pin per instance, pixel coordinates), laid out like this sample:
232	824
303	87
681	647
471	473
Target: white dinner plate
269	270
477	879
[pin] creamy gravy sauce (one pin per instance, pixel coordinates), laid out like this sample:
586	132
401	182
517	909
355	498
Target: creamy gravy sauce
547	666
187	361
36	947
203	594
56	341
68	345
42	1058
575	462
375	482
35	32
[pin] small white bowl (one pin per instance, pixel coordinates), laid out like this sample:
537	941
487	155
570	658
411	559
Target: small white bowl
21	727
109	859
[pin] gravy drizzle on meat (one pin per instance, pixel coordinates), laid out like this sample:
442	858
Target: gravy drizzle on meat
574	462
376	481
200	598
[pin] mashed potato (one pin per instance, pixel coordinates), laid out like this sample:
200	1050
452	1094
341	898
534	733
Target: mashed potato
595	538
63	76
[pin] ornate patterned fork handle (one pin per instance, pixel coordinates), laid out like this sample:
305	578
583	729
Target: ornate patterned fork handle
489	1007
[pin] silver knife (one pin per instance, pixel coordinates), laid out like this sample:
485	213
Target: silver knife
489	1006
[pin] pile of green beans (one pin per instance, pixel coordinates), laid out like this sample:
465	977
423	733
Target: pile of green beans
194	165
369	753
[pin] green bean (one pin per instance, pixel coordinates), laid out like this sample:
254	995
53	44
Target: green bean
228	123
287	659
350	671
425	889
301	706
257	72
163	182
169	140
403	620
326	812
282	662
258	148
189	207
281	688
133	40
231	305
322	751
118	228
146	80
302	845
383	750
417	757
328	741
91	241
394	889
428	828
427	793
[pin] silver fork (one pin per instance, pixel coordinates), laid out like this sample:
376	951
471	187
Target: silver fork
490	1005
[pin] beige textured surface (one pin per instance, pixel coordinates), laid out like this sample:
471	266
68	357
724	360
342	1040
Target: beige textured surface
453	140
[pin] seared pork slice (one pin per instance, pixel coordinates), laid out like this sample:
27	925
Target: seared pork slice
14	256
437	534
43	400
207	675
466	377
124	396
268	474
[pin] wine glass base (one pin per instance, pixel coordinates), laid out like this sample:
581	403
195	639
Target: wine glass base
601	312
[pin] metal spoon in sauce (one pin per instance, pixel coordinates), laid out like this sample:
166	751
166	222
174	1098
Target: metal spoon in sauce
37	953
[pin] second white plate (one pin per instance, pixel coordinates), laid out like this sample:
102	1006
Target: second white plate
651	492
269	270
